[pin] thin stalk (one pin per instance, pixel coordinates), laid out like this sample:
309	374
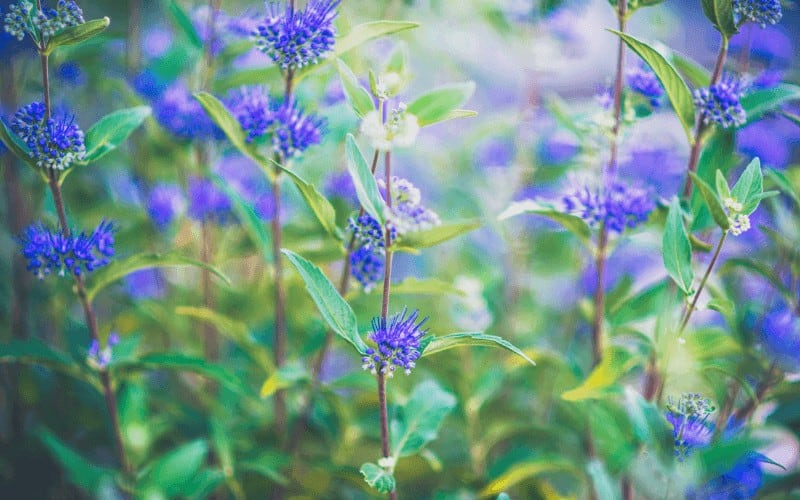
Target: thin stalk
725	412
744	413
133	52
693	305
210	343
279	343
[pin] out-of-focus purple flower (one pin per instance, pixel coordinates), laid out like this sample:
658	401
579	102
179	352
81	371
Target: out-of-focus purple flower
767	79
246	178
495	152
741	482
54	143
210	26
145	284
641	79
690	426
334	93
251	106
340	185
295	130
618	205
557	150
766	140
407	212
397	340
604	96
147	84
771	47
780	336
70	73
53	251
164	203
156	42
100	358
182	115
207	202
760	12
720	103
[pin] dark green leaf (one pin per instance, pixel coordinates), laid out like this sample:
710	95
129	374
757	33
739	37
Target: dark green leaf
334	309
571	223
439	344
15	145
749	187
184	23
420	418
180	362
77	34
112	130
438	235
366	188
720	13
377	477
80	471
677	251
756	104
357	96
438	104
322	208
175	473
643	305
712	202
35	352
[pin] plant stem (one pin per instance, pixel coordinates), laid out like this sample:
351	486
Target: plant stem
747	410
693	305
701	127
210	343
279	346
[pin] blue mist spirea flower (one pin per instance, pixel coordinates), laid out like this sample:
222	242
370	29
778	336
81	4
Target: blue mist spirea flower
55	142
780	336
367	266
295	38
145	284
642	80
294	130
720	104
741	482
100	358
340	185
50	21
207	202
17	20
397	343
618	205
70	73
368	231
56	252
690	426
164	203
761	12
251	107
408	214
182	115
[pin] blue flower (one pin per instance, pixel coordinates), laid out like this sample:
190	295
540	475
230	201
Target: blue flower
207	202
18	19
397	343
340	185
761	12
251	107
145	284
296	38
100	358
182	115
641	79
720	103
66	15
164	203
295	131
407	212
781	336
53	251
367	266
618	206
495	152
690	426
368	231
54	143
70	73
741	482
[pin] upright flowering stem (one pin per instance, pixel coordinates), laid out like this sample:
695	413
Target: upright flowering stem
691	308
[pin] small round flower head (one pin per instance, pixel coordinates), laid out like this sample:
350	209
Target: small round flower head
294	130
368	231
182	115
761	12
408	213
66	15
53	251
164	203
70	73
397	342
720	103
495	152
207	202
100	358
642	80
250	106
54	143
367	265
740	222
618	206
296	38
145	284
690	426
340	185
17	20
780	336
400	130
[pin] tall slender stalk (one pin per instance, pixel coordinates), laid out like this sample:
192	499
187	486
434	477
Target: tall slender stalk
693	305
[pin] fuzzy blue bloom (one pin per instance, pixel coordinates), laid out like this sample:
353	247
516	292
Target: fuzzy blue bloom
368	231
642	80
781	336
54	143
690	426
145	284
296	38
53	251
294	130
149	85
249	182
367	266
741	482
495	152
17	20
340	185
251	107
66	15
100	358
761	12
407	212
557	150
164	203
70	73
397	342
182	115
618	206
207	202
720	103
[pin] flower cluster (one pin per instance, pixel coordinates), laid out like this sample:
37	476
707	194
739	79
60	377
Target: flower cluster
407	212
296	38
251	107
164	203
397	342
20	19
55	142
690	427
761	12
720	103
618	206
368	260
100	358
643	81
182	115
207	202
400	129
743	480
740	222
55	251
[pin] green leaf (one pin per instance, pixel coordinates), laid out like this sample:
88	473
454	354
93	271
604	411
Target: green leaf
120	268
287	376
184	23
77	34
603	484
649	425
418	422
677	251
784	184
179	362
760	102
175	472
377	477
35	352
322	208
749	187
112	130
334	309
366	188
525	470
233	130
611	434
615	364
248	217
677	91
435	106
15	145
722	185
438	235
694	71
365	32
571	223
439	344
720	13
640	306
712	202
414	286
79	470
357	96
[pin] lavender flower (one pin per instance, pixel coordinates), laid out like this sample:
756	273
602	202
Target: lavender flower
165	202
397	343
54	143
367	266
100	358
761	12
408	213
207	202
49	251
144	284
720	103
742	481
618	206
689	423
70	73
180	113
297	38
641	79
781	336
340	185
495	152
251	106
66	15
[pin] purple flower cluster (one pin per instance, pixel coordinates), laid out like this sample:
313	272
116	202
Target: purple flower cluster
45	23
207	202
720	103
56	142
164	203
296	38
182	115
408	212
761	12
397	343
100	358
368	260
740	482
53	251
617	206
690	426
642	80
781	336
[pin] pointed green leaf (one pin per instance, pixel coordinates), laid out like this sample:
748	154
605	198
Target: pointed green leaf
334	309
525	470
720	13
184	23
79	470
760	102
437	235
697	75
784	184
123	267
179	362
377	477
439	344
722	185
365	32
438	104
366	188
16	145
357	96
77	34
112	130
712	202
175	472
322	208
603	379
35	352
677	251
418	422
749	187
677	91
571	223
